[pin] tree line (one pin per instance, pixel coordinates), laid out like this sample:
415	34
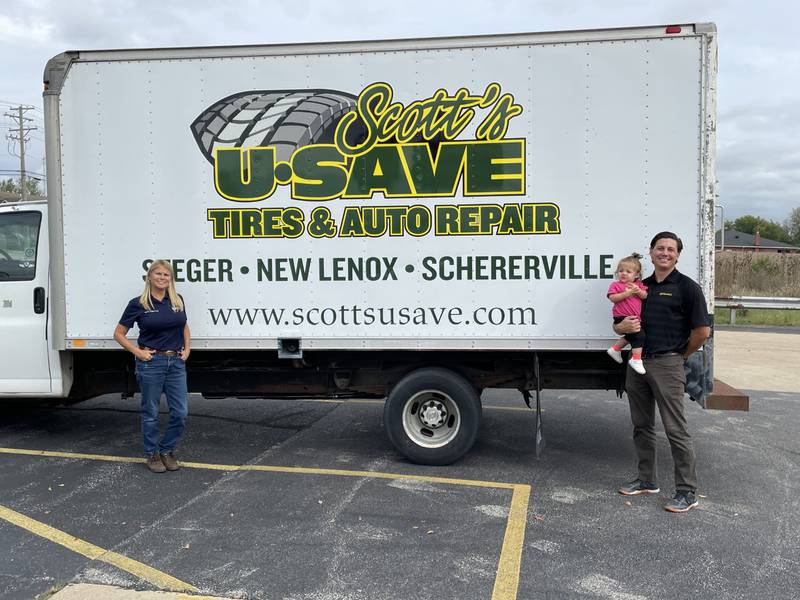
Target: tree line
787	232
12	186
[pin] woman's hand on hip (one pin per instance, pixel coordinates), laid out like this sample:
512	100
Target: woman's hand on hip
185	354
144	354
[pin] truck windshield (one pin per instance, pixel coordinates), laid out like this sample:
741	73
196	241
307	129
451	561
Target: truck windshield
19	234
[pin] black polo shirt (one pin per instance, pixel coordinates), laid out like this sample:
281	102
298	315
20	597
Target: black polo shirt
669	313
160	328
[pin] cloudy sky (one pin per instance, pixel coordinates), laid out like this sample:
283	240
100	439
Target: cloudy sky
759	58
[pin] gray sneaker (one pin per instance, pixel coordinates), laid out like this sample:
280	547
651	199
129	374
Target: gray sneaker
637	486
154	463
170	461
682	501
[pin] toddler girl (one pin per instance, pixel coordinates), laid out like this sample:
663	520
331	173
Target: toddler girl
627	293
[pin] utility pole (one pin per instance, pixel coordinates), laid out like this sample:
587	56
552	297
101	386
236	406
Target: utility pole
20	136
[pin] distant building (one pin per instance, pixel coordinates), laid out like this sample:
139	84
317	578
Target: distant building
739	241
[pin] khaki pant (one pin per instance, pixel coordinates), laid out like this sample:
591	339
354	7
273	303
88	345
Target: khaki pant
663	385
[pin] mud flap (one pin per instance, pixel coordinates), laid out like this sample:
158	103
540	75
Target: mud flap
526	395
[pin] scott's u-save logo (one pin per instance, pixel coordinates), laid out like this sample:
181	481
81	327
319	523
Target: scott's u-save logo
329	144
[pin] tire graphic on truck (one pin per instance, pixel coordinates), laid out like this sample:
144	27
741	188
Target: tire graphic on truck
284	119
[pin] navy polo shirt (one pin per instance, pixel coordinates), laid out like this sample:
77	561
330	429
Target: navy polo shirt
160	328
669	313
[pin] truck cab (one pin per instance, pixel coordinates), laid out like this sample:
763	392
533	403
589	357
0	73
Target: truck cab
30	367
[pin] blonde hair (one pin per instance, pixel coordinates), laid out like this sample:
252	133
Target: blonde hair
634	261
174	298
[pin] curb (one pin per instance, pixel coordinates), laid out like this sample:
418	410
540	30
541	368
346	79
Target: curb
89	591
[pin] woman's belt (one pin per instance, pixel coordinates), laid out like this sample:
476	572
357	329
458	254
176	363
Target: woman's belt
162	352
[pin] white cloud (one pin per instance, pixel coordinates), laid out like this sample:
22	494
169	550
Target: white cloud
12	30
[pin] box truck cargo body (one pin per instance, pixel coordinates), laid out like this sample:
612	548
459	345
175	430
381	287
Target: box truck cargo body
421	219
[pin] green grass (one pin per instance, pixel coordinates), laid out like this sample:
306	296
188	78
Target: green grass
767	317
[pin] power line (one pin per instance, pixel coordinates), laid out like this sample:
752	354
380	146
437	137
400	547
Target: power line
17	104
21	137
35	109
6	172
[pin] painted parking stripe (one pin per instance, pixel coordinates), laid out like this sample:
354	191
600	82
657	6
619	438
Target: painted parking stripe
508	568
89	550
506	581
268	468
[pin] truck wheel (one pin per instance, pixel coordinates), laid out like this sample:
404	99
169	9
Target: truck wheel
432	416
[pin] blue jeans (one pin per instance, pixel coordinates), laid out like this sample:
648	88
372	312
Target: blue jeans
165	374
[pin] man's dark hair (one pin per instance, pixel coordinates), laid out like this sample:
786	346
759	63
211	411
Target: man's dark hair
669	236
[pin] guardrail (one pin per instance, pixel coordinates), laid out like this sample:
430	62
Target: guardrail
745	302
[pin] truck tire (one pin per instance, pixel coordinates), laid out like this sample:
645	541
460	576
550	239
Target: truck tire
284	119
432	416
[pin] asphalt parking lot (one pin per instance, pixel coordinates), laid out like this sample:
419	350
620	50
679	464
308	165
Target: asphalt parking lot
305	500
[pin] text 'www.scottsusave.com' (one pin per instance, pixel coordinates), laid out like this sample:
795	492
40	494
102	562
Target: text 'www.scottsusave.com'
385	316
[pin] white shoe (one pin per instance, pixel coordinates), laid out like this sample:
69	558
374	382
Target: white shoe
637	365
615	354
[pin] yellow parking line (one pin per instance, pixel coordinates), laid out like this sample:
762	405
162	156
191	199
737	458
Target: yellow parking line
508	568
141	570
506	582
345	473
268	468
51	454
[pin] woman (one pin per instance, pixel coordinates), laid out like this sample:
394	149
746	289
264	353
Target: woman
162	350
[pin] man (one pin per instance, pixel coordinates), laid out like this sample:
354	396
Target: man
676	323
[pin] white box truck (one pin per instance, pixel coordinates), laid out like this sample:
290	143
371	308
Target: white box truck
418	219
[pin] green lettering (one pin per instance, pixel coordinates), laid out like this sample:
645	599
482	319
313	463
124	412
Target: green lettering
379	170
219	218
319	173
512	220
547	218
244	175
371	103
495	168
435	177
352	225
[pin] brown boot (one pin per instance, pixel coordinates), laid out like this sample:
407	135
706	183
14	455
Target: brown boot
155	464
170	461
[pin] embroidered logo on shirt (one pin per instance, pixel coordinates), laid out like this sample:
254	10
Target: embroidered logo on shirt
665	293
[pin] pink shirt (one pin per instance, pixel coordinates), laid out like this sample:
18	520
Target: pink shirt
629	307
